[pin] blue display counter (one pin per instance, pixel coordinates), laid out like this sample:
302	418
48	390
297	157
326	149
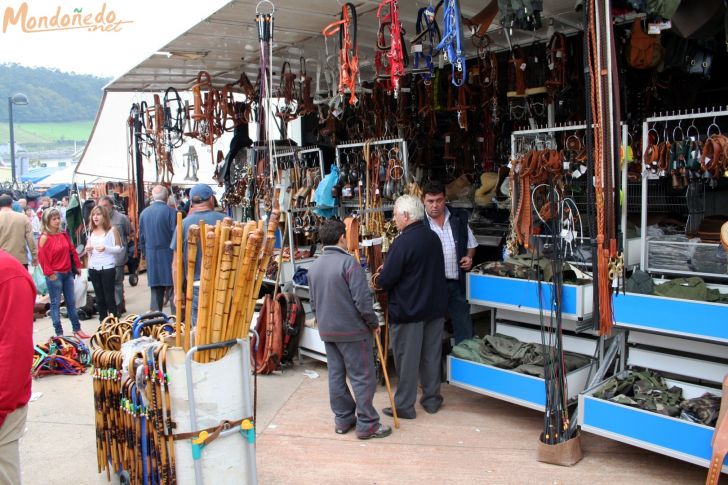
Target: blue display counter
521	389
670	316
523	295
674	437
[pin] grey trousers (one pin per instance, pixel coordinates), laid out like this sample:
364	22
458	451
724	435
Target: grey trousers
10	432
156	303
119	287
417	349
355	360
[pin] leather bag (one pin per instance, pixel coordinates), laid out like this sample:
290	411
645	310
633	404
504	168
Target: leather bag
270	337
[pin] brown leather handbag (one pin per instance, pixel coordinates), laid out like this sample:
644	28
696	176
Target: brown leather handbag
644	51
269	328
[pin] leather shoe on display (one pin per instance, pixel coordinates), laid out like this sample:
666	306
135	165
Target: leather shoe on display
381	432
400	414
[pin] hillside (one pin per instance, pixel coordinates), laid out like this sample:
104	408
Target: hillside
53	96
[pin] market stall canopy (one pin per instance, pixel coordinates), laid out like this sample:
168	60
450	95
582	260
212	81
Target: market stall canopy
107	154
226	43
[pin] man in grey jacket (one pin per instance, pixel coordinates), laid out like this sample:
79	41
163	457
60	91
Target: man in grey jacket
342	302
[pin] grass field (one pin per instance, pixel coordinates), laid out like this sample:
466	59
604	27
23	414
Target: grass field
35	133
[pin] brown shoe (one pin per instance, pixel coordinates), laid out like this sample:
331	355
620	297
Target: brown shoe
81	335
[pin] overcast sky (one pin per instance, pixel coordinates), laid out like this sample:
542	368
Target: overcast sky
142	28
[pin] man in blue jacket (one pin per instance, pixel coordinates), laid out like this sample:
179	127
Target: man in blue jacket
156	226
342	302
414	277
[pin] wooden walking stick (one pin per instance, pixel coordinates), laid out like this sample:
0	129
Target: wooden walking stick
386	381
178	282
249	255
264	259
204	296
192	236
217	249
237	237
223	275
242	322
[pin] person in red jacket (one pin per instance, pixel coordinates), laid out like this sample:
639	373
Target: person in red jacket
17	297
55	253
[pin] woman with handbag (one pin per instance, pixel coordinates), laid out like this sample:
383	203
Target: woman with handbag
102	247
59	261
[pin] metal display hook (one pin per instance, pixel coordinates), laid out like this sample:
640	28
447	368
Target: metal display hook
272	7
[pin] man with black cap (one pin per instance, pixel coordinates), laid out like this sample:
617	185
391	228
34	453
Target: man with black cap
202	204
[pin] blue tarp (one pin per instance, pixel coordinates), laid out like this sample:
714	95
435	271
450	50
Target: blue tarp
58	191
38	174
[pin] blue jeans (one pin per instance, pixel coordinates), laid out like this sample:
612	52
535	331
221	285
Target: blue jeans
459	310
63	285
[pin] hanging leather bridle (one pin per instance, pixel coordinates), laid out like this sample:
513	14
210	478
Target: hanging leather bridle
397	58
426	26
556	63
305	101
348	50
452	42
460	105
288	110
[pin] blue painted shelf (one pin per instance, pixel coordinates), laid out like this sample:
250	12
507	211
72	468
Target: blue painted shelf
670	316
523	295
674	437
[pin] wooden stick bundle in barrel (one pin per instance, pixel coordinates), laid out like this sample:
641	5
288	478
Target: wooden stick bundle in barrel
178	281
192	236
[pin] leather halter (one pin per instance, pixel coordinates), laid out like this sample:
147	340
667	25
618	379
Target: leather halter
348	50
452	41
397	58
305	102
556	62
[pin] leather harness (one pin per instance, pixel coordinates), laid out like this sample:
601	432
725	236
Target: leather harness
397	58
348	50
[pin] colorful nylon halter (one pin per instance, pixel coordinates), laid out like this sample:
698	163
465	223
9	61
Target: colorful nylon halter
452	42
348	50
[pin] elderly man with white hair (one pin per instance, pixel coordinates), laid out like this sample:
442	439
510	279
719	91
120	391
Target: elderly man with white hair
414	277
156	226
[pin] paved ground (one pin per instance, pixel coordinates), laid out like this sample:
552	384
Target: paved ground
473	439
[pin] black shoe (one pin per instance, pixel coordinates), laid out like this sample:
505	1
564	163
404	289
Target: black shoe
381	432
432	410
400	414
345	429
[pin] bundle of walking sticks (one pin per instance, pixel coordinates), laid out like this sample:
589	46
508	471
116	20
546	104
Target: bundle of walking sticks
134	429
234	261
